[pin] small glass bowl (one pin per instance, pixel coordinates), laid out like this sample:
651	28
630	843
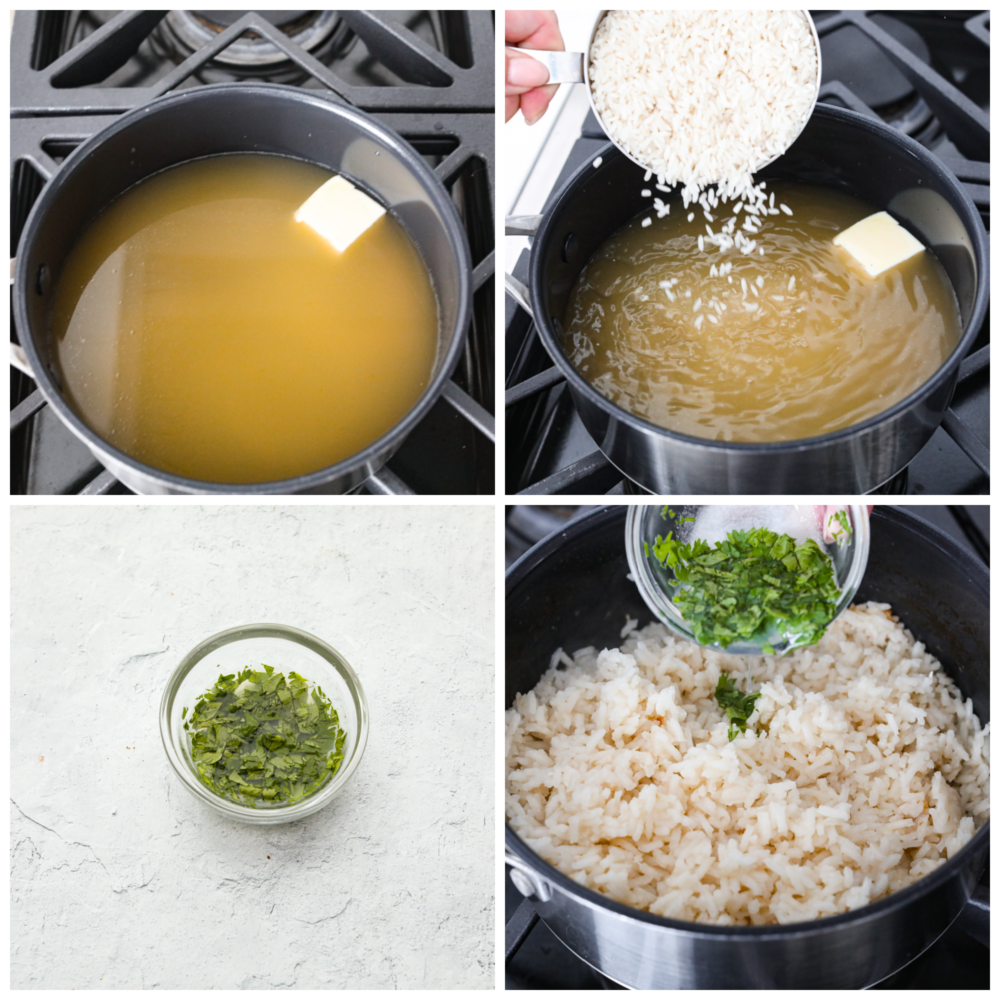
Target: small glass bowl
658	585
284	648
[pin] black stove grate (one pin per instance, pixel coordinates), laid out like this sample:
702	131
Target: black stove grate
428	75
941	103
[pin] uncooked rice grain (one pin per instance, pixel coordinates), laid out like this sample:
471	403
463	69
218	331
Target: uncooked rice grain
861	770
704	97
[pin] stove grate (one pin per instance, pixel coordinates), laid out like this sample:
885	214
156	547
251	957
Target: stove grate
432	82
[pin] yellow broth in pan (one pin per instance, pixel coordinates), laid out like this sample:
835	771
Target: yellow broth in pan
788	344
202	330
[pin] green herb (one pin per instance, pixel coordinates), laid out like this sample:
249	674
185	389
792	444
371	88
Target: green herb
738	706
752	585
261	737
845	532
667	512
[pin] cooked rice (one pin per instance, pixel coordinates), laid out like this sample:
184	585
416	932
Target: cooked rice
861	770
704	97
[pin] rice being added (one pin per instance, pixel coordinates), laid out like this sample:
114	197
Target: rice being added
704	97
861	770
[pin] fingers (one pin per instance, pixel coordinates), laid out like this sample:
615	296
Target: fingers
524	74
525	78
534	29
535	103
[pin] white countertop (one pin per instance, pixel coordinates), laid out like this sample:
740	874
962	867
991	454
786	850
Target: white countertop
120	878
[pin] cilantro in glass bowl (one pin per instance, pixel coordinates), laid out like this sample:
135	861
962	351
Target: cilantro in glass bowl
746	579
264	723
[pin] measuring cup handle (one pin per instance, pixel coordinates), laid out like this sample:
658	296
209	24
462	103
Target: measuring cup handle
563	67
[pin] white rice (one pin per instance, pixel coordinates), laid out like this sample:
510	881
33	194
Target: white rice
861	770
703	97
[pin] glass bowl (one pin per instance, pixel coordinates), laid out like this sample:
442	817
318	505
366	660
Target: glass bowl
658	585
284	648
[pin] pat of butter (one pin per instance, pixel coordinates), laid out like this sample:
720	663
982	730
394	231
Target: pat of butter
878	243
339	212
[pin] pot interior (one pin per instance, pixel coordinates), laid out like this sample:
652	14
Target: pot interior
572	591
837	149
244	118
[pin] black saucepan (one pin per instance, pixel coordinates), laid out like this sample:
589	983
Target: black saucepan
838	149
228	118
571	590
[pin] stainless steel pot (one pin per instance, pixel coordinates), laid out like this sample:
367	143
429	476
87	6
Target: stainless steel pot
838	149
572	590
227	118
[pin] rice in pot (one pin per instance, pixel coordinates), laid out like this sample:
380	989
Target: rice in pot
861	770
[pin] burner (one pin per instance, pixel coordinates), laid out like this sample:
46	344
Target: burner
851	57
183	32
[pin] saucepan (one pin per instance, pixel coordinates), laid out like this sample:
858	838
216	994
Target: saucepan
228	118
838	149
572	590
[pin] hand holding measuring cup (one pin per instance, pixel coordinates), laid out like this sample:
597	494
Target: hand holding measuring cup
695	97
525	77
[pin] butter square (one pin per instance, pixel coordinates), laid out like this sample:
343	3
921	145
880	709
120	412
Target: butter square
339	212
878	243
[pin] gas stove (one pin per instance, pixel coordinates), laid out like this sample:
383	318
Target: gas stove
537	959
428	75
933	99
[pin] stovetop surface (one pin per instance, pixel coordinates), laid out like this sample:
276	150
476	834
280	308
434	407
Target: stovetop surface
548	449
428	75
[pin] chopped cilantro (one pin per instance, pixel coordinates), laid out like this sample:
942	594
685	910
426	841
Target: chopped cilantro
844	532
738	706
752	585
667	512
263	737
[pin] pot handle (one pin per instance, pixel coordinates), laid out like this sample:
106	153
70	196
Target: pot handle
526	880
518	291
20	360
520	225
17	356
563	67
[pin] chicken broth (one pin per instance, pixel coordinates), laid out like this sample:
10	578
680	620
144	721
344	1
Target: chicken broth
203	331
788	344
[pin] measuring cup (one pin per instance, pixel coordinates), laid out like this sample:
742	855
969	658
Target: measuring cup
659	586
574	67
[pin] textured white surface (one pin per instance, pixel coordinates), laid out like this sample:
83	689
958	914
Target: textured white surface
120	878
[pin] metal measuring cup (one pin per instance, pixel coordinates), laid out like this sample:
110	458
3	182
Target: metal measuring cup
574	67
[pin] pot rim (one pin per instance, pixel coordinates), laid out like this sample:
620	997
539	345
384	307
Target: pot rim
299	484
853	119
871	911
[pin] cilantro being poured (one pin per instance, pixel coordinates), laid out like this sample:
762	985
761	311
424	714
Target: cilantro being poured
751	586
841	530
738	706
261	737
